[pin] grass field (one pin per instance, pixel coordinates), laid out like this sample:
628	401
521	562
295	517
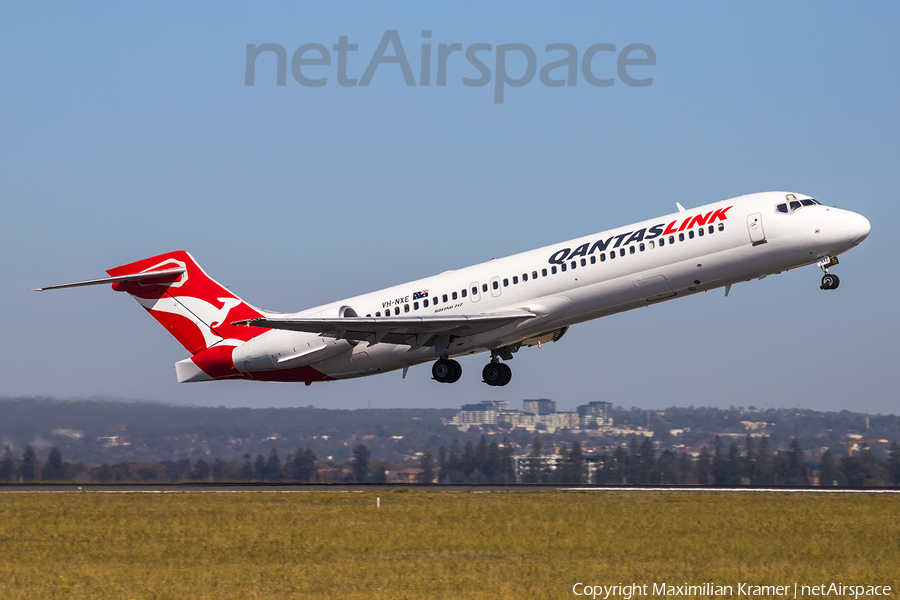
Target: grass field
434	545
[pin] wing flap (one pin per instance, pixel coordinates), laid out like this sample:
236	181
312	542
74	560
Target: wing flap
393	330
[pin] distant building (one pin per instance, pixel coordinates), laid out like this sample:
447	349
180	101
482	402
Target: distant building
542	406
597	412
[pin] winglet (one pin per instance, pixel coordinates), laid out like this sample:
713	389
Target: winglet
680	207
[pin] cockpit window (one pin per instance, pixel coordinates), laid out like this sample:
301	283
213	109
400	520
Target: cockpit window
795	205
809	202
782	208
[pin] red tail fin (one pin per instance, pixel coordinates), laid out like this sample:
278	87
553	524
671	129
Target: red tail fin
193	307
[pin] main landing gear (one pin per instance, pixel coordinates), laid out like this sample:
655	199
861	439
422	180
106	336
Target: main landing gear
829	281
446	370
496	373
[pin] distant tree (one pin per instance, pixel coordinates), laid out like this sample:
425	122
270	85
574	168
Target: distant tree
718	462
620	465
105	473
826	469
7	465
202	470
733	466
304	465
247	468
174	470
703	466
534	472
603	473
749	461
361	463
218	470
764	472
28	467
634	461
469	462
259	468
892	464
377	473
668	467
796	471
455	472
507	462
443	473
575	466
490	472
273	467
647	460
685	468
146	473
427	466
559	474
481	460
53	469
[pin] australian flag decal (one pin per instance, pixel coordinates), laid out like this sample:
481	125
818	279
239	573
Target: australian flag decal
420	295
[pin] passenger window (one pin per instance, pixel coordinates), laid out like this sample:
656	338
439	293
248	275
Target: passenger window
464	292
378	313
415	306
534	274
483	287
602	256
562	267
444	298
425	303
711	228
651	245
584	262
721	226
515	279
671	239
593	260
631	249
434	301
544	272
621	251
641	247
691	234
454	295
662	242
369	315
396	310
795	205
700	231
495	284
406	308
782	208
612	255
680	237
574	264
475	290
524	277
505	282
553	270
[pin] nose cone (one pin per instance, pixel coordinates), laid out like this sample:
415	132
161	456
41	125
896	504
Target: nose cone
858	227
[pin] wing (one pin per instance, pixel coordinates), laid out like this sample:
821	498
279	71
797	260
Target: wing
415	331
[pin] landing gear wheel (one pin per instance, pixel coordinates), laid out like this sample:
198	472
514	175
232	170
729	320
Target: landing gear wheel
496	374
446	371
830	282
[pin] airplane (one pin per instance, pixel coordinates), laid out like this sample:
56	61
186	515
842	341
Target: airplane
500	306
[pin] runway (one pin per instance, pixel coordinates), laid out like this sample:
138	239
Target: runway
300	488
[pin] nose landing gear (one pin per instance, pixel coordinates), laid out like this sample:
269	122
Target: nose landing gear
829	281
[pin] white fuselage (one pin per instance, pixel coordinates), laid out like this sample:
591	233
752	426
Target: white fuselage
576	281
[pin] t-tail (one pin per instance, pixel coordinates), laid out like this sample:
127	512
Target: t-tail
192	306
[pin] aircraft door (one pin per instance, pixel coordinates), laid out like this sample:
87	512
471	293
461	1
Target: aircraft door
755	227
475	291
495	286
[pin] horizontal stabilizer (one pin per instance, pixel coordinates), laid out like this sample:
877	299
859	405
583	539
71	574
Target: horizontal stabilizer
154	276
393	330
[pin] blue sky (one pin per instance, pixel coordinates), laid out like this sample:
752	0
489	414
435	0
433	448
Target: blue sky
127	131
